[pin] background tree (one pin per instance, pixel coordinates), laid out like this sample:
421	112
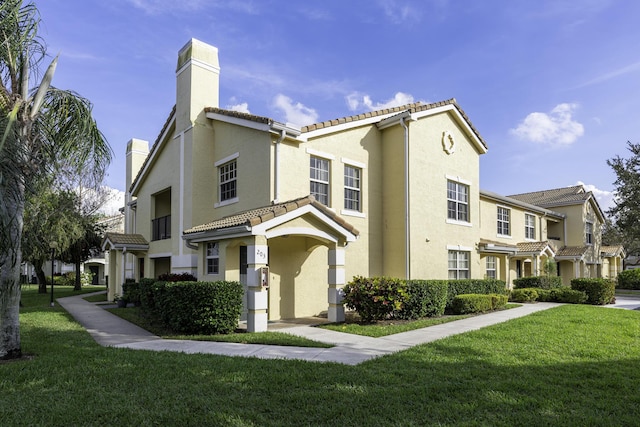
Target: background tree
49	216
41	128
625	214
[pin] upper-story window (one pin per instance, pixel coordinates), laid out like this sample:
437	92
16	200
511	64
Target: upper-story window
503	221
529	226
319	179
228	173
589	233
352	193
457	201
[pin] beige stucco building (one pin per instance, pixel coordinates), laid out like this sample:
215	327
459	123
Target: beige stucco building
294	213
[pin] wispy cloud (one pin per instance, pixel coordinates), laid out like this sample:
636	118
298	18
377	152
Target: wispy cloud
554	128
631	68
400	12
154	7
295	112
242	107
358	101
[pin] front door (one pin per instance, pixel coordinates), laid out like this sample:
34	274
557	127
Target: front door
243	280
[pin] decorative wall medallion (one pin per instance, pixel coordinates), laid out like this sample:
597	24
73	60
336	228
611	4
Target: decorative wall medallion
448	143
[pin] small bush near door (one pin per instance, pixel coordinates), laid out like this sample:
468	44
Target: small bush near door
629	279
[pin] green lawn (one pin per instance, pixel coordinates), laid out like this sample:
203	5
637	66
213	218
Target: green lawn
574	365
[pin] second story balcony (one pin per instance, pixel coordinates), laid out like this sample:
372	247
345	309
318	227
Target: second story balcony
161	228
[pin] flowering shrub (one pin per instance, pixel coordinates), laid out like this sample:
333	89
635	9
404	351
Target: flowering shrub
375	298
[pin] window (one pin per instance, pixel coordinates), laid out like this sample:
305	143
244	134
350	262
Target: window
319	175
213	258
457	201
491	267
503	221
352	188
589	235
529	226
228	175
458	265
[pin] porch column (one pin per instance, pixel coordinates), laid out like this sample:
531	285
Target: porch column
257	301
336	282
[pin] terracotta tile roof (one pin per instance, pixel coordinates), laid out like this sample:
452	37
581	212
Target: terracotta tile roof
240	115
154	146
612	250
412	108
257	216
496	243
535	247
572	251
126	239
555	197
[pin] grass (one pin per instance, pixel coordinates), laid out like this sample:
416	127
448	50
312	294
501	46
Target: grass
573	365
133	315
381	329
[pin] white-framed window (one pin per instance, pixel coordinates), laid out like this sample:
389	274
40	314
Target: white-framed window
457	201
503	221
319	179
491	267
459	265
228	174
212	258
589	233
529	226
352	193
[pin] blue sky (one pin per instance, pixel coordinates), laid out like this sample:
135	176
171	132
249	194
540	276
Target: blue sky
549	84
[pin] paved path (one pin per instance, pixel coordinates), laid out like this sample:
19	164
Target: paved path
110	330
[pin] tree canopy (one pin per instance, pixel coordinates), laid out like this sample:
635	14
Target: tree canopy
42	129
625	214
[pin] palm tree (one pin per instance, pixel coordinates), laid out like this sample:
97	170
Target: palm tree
41	129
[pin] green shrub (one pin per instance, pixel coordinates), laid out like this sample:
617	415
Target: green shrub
471	303
177	277
147	300
498	300
475	286
599	291
375	298
524	295
566	295
629	279
131	292
542	282
199	307
426	298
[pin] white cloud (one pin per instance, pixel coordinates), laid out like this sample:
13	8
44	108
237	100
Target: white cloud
357	101
554	128
295	113
604	197
399	12
242	107
115	201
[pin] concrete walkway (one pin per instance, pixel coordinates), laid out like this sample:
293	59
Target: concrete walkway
110	330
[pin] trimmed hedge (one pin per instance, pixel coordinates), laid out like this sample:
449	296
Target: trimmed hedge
147	300
375	298
562	295
524	295
477	303
426	298
199	307
475	286
542	282
629	279
131	292
599	291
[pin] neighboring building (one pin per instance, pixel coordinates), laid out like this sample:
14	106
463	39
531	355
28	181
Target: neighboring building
295	213
98	264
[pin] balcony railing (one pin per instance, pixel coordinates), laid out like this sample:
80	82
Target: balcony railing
161	228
